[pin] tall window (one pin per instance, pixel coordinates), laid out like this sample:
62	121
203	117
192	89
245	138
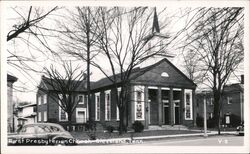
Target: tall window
63	116
45	116
139	102
97	106
188	104
107	106
39	116
39	100
44	99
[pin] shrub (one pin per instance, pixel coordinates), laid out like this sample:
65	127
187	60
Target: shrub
211	123
199	121
138	126
110	128
235	120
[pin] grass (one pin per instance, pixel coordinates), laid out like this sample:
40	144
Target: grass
106	135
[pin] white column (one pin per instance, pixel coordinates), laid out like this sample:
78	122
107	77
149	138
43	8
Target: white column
205	117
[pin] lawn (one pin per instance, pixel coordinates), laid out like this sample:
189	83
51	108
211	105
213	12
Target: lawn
107	135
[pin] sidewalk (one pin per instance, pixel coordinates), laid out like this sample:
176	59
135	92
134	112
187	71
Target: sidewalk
135	139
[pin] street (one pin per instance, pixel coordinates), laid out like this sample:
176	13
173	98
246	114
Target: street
197	141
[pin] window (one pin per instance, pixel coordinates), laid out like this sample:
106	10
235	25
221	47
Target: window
80	115
164	74
229	100
211	101
39	100
188	104
80	99
107	106
97	106
45	116
117	109
139	102
210	115
63	116
44	99
39	116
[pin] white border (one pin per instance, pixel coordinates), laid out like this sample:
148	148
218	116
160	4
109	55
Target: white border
125	149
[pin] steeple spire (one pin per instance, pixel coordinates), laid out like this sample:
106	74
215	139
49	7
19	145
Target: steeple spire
155	27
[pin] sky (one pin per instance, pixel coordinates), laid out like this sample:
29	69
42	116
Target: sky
26	86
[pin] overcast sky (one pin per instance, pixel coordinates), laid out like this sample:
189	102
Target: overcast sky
28	82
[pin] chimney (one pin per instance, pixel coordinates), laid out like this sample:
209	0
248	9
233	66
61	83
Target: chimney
242	79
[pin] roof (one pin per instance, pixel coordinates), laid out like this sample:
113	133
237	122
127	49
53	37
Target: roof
134	74
234	87
46	83
11	78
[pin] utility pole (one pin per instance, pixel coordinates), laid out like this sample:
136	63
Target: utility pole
205	115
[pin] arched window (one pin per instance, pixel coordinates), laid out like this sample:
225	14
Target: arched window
164	74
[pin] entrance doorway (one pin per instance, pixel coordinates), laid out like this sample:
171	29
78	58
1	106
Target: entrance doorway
166	108
177	100
152	106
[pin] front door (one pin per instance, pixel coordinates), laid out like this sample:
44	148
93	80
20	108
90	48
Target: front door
80	115
176	114
166	115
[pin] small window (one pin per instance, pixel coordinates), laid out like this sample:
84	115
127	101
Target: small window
81	99
229	100
164	74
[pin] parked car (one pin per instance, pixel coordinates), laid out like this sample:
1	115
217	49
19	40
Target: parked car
41	134
240	130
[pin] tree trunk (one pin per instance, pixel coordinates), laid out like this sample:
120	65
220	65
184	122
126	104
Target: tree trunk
217	110
70	121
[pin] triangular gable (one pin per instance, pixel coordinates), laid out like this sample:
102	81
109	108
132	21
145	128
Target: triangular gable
174	73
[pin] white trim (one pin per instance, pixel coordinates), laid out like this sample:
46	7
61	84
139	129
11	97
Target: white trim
140	89
152	87
106	107
85	115
176	89
45	116
97	119
165	88
188	91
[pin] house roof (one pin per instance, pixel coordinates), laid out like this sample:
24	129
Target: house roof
134	74
234	87
11	78
46	83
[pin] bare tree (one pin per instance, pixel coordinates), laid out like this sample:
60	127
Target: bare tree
217	41
78	39
64	85
127	40
29	29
